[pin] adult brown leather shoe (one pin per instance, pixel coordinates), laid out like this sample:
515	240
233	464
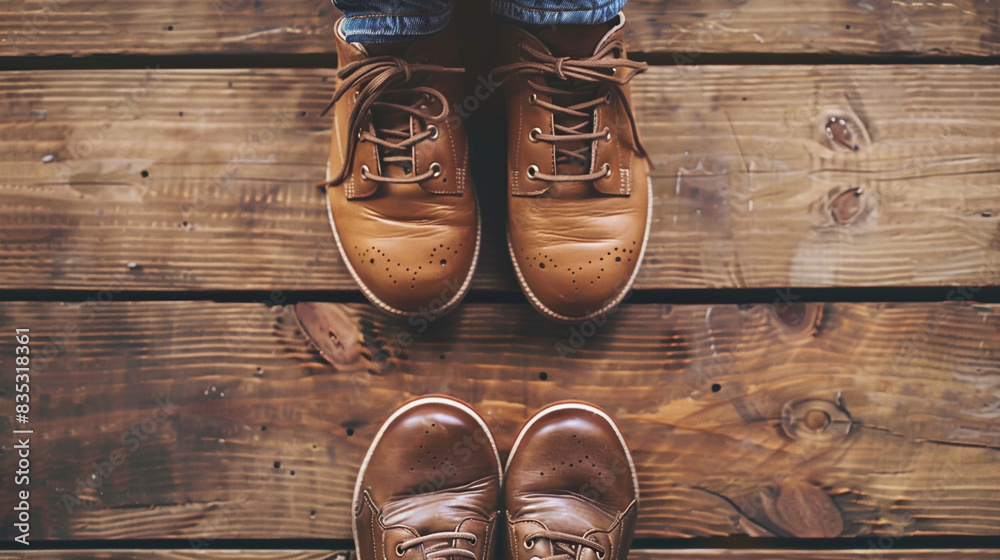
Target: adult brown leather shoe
579	191
400	197
570	487
429	485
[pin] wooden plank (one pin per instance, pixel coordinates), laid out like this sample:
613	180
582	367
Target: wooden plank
944	554
685	28
201	177
223	421
219	553
689	28
83	27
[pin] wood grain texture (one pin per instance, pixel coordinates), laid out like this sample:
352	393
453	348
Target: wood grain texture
215	553
84	27
223	421
688	28
683	28
202	177
953	554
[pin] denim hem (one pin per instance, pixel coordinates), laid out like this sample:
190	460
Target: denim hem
392	28
555	14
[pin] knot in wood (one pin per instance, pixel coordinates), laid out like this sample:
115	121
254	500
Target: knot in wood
846	206
839	131
799	317
330	331
792	509
815	419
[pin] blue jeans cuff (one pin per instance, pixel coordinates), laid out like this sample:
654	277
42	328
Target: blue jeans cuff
392	28
555	14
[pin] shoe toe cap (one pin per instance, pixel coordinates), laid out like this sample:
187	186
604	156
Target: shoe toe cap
403	275
571	451
434	459
575	281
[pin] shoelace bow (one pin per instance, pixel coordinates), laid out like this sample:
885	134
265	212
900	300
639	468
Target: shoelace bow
564	544
381	77
586	77
440	550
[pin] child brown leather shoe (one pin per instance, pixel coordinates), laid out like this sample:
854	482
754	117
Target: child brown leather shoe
570	487
400	197
429	486
578	176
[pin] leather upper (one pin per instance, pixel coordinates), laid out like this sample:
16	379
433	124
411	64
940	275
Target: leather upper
576	245
411	246
432	471
570	474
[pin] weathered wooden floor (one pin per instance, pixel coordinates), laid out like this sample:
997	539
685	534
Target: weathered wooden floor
160	238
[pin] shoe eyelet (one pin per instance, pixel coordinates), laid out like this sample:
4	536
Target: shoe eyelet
399	550
607	170
529	544
364	173
434	132
472	541
533	134
531	172
607	134
533	98
357	94
436	168
607	98
601	555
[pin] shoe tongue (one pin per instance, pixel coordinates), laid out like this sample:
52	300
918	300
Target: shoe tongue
396	120
565	513
382	49
575	41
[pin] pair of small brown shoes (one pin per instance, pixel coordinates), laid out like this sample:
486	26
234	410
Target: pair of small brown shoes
400	196
430	487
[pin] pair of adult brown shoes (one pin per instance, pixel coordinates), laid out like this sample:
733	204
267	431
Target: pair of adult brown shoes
430	486
400	195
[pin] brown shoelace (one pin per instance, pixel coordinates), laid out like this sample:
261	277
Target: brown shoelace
440	550
584	84
383	80
565	546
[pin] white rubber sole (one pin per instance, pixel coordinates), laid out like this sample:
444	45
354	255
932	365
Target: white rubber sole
541	308
576	406
378	437
448	306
